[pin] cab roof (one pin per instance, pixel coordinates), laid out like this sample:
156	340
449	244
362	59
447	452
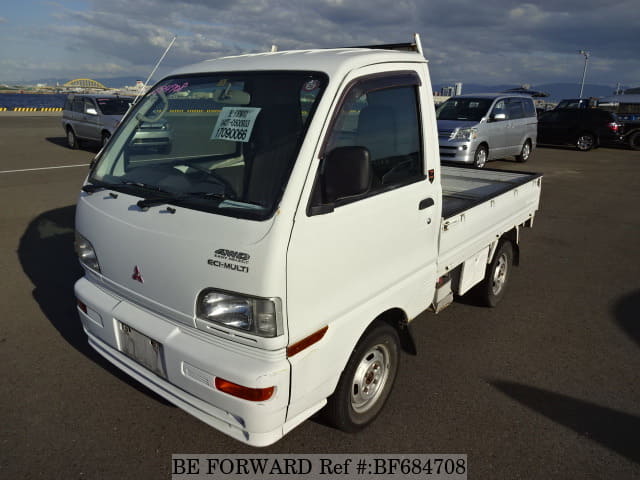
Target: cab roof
492	95
329	61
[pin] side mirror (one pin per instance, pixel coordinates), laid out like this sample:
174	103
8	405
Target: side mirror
498	117
346	173
91	111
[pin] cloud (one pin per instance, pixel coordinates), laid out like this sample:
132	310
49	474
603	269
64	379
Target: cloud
3	20
479	42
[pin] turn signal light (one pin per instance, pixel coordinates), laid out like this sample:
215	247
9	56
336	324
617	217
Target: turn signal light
82	306
306	342
246	393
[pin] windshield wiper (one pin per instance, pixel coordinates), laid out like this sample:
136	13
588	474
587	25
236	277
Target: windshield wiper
90	188
146	186
95	186
153	201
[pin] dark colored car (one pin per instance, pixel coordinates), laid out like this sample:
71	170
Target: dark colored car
585	128
574	103
627	110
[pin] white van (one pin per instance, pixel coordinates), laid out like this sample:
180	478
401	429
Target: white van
271	263
475	128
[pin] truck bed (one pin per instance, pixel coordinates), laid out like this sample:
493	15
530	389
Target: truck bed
481	205
463	188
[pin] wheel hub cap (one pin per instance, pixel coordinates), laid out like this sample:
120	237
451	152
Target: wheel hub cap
370	378
499	275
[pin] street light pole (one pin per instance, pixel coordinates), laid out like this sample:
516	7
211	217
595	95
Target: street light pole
584	72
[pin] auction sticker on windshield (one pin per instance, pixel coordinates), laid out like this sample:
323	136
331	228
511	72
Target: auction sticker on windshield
235	124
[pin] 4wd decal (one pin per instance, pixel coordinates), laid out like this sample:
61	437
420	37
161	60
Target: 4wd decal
226	257
232	255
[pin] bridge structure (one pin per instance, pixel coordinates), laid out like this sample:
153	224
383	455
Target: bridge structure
85	83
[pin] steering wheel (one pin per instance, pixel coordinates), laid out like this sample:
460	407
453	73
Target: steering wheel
229	191
160	114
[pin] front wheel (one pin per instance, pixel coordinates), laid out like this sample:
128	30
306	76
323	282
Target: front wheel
634	141
480	157
525	153
365	383
105	138
585	142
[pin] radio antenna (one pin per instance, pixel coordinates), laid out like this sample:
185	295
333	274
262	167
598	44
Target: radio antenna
144	87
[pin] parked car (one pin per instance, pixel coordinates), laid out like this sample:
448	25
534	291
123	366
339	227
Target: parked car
476	128
152	136
627	110
92	117
576	103
583	128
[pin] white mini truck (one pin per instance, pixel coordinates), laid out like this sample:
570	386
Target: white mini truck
270	264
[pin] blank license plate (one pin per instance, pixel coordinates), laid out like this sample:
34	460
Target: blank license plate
144	350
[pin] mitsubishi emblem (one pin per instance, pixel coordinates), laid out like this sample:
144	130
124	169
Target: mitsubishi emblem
137	275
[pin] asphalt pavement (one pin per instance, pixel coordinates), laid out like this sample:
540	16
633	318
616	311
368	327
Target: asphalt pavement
546	385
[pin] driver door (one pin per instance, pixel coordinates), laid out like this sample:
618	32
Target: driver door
352	259
497	130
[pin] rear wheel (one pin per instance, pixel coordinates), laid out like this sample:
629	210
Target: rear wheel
365	383
634	141
492	288
585	142
525	153
72	140
480	157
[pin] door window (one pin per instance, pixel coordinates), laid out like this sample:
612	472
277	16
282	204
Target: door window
515	109
88	104
78	105
382	116
500	107
529	108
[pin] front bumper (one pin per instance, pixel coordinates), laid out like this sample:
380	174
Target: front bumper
192	360
456	150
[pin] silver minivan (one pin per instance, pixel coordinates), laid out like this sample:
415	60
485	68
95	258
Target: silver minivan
475	128
92	117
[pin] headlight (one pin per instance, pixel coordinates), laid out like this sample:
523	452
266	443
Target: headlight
260	316
86	253
464	134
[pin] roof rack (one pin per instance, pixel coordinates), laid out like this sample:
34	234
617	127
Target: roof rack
415	46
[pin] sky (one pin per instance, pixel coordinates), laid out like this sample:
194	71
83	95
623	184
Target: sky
471	41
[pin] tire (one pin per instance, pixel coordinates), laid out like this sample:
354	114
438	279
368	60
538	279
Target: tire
492	288
525	153
634	141
72	140
585	142
480	157
366	382
105	138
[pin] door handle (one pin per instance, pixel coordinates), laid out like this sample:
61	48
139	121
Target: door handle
426	203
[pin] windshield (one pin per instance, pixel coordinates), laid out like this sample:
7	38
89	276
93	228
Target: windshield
471	109
578	103
224	143
114	106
